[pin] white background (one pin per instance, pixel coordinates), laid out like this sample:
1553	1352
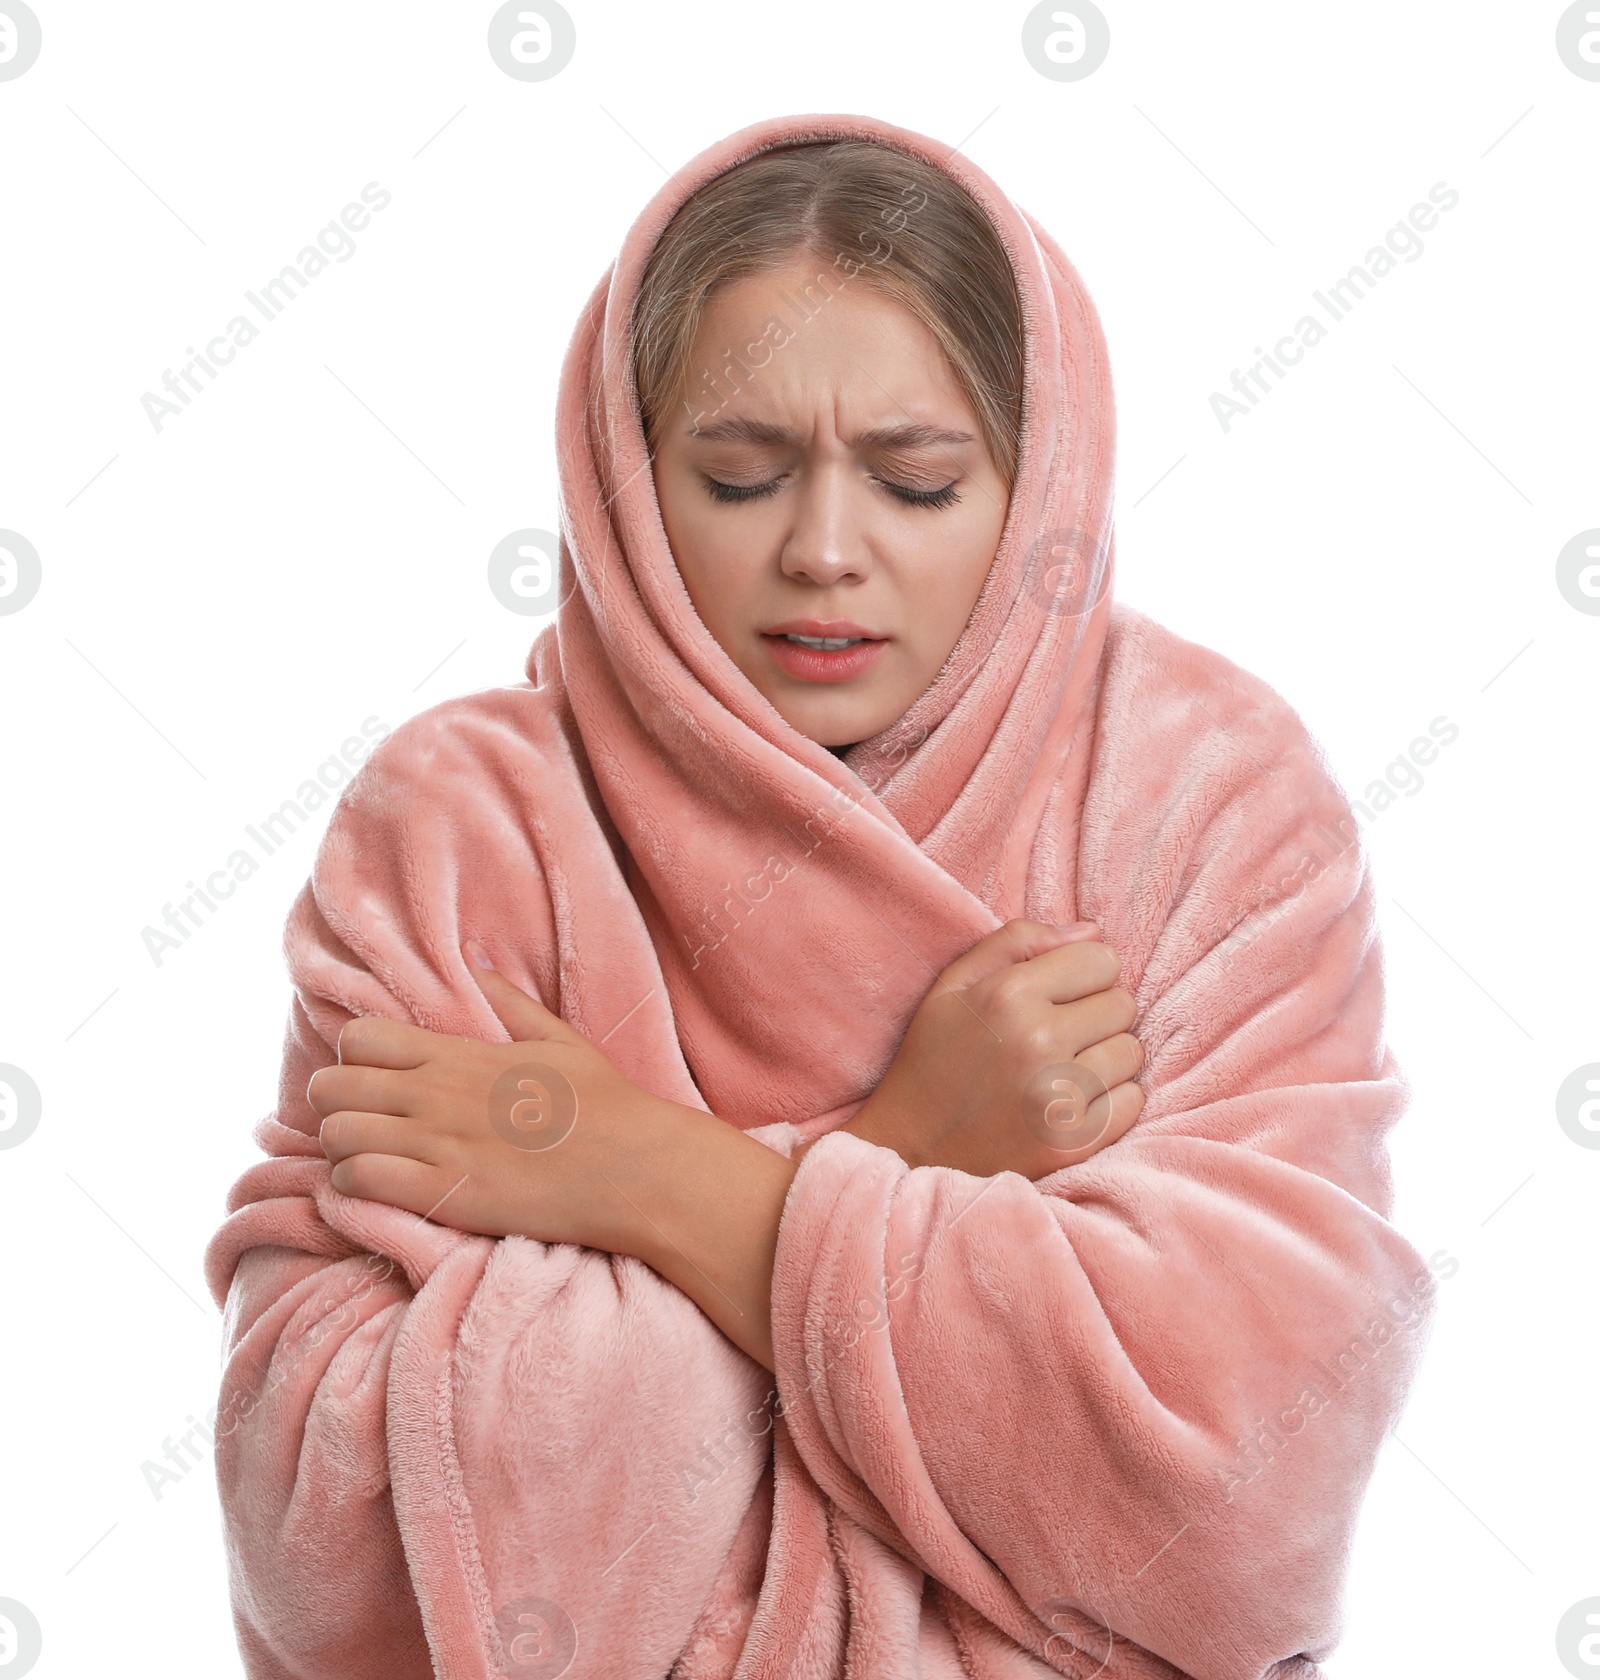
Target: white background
225	600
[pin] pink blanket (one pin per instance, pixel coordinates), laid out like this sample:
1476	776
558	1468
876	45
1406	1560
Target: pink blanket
1116	1422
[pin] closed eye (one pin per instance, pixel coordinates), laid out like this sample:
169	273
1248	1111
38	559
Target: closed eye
940	498
721	492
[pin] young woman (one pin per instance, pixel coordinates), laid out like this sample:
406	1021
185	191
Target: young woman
730	1212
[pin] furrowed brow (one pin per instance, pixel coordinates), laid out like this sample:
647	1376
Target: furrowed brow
914	435
744	431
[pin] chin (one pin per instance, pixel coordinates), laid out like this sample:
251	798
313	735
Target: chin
833	730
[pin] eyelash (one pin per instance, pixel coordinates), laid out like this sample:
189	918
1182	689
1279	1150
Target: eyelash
941	498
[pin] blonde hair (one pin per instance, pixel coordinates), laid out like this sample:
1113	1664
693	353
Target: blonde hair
872	214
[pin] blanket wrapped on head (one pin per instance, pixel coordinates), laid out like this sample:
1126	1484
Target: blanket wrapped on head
1114	1422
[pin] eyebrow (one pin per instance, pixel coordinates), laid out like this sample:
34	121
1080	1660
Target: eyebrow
913	435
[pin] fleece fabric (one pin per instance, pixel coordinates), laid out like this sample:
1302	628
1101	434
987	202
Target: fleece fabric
1118	1421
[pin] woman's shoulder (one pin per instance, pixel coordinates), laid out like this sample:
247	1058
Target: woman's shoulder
1169	702
512	721
1144	656
473	751
1207	794
447	825
1195	757
484	773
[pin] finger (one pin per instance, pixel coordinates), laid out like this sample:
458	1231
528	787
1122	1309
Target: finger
1126	1103
1114	1059
377	1090
401	1182
1099	1016
376	1041
1015	942
1108	1118
524	1017
1043	1032
1068	972
348	1132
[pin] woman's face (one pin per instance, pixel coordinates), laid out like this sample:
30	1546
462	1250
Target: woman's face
841	488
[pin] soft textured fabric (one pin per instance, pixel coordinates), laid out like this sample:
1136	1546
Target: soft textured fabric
1118	1421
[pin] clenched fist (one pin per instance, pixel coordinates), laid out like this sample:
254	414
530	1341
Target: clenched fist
1019	1059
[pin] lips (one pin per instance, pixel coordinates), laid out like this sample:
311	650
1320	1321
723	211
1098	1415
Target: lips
819	627
823	664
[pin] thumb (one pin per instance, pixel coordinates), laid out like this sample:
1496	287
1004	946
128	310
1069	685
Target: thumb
1014	942
524	1017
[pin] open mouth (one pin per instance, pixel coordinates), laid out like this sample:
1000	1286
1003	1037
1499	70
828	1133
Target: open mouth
823	658
831	643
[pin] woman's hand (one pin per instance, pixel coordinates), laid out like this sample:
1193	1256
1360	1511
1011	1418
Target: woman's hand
1019	1059
545	1138
542	1137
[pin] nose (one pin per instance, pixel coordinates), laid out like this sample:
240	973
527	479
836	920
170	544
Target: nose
827	542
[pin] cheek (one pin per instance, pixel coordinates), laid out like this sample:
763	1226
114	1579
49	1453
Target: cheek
712	555
951	576
677	514
688	534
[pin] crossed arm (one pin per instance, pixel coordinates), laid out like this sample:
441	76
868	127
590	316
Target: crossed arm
427	1122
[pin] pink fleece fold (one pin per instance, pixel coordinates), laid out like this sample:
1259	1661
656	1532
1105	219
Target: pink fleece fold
1116	1422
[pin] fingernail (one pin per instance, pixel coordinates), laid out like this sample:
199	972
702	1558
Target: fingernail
476	955
1078	929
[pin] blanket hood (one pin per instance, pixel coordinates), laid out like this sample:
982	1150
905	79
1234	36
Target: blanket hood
919	840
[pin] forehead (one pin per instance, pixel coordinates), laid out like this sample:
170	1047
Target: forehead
789	339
